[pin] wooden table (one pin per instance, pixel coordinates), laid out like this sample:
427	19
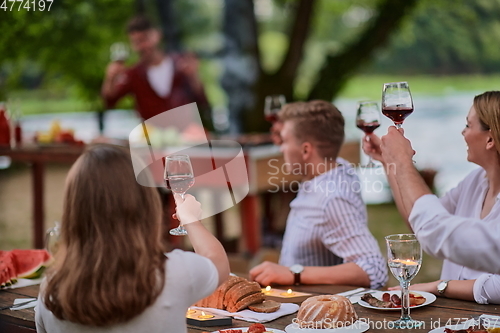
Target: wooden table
434	315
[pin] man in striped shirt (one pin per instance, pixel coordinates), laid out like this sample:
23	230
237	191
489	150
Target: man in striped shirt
326	240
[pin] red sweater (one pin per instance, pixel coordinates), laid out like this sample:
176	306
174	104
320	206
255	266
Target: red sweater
147	101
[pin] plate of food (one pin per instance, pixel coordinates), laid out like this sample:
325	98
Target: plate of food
357	327
254	328
391	300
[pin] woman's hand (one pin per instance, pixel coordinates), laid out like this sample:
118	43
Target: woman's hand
371	147
430	287
187	210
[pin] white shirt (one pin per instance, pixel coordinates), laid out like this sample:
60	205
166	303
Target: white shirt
189	278
451	228
160	77
327	225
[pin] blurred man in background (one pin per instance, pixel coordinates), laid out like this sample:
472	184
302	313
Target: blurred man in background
159	81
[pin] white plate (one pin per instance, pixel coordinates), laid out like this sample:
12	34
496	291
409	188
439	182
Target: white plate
245	329
357	327
429	298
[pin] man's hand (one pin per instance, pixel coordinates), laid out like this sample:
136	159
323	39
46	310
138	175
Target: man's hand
269	273
395	148
371	147
276	133
115	69
188	64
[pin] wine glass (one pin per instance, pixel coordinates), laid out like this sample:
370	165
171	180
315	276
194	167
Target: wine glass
397	103
368	120
273	104
404	257
179	178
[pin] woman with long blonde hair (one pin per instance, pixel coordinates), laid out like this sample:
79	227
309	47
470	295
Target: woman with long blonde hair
111	273
470	212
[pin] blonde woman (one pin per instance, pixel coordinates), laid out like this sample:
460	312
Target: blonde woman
463	227
111	273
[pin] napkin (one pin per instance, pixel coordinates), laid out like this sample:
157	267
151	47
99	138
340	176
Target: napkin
490	320
351	292
255	317
31	304
24	283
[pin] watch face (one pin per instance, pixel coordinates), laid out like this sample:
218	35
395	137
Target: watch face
442	286
297	268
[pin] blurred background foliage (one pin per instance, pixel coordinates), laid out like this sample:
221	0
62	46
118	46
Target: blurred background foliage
54	61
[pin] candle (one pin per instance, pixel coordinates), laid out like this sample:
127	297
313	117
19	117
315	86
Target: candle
205	316
190	311
288	293
267	290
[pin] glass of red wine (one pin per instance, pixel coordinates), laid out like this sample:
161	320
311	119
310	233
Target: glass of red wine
179	178
397	103
368	120
273	104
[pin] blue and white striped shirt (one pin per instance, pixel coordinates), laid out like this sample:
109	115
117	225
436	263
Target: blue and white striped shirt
327	225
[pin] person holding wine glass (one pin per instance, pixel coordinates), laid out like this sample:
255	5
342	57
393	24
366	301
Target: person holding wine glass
111	273
160	81
462	227
273	105
179	177
327	240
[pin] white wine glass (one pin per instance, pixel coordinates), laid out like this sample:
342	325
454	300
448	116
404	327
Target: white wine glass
179	178
368	120
404	256
397	103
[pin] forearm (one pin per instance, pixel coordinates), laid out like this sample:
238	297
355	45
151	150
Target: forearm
107	88
410	184
206	245
343	274
396	194
460	289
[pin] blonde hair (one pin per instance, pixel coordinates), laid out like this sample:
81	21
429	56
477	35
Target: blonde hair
487	106
319	122
111	263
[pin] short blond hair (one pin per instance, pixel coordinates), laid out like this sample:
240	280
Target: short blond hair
487	106
319	122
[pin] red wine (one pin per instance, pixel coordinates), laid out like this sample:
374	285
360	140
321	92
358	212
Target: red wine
179	184
272	117
397	114
368	128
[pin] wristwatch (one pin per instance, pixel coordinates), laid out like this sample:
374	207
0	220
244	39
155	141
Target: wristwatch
296	270
441	287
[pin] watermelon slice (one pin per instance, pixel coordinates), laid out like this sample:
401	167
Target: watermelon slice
7	269
26	264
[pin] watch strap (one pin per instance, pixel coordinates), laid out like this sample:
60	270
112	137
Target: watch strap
296	279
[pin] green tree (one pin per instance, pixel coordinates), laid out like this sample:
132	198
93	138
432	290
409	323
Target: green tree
70	41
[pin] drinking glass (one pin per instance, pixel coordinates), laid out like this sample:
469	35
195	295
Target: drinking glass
368	120
397	103
179	178
52	238
404	257
273	104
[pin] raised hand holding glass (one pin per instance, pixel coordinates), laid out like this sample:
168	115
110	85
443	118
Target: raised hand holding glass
179	178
